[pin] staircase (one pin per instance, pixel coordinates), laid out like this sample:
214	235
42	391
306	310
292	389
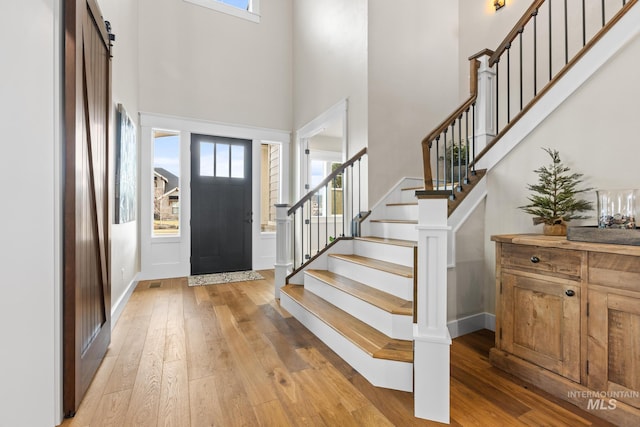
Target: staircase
358	293
361	302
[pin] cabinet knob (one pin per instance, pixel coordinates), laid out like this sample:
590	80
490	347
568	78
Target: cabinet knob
535	259
569	292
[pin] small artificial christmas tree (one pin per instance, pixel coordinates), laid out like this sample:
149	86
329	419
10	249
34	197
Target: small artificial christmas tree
554	202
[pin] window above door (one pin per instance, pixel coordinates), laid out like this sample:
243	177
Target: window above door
245	9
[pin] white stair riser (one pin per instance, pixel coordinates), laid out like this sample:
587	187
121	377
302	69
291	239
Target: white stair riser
394	230
384	252
392	325
408	196
402	287
379	372
402	212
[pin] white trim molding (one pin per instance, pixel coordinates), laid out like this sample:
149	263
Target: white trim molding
163	257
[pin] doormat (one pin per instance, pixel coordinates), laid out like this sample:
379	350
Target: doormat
218	278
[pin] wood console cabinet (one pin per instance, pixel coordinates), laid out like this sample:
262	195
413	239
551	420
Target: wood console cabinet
568	321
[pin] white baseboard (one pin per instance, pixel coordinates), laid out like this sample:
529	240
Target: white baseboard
472	323
118	307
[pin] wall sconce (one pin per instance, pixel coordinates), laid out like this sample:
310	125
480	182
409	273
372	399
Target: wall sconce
498	4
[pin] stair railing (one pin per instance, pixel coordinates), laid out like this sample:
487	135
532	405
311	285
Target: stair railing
550	37
329	212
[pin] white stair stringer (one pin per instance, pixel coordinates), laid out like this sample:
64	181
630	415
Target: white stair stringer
396	326
379	372
401	287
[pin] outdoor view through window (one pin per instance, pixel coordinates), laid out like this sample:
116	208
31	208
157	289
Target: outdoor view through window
166	183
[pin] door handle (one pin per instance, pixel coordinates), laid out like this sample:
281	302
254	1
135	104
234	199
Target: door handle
570	292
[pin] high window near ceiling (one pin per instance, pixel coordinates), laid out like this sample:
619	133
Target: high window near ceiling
246	9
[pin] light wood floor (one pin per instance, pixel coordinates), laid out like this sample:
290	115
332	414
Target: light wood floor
227	355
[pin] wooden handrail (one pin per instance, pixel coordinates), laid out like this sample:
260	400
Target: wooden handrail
328	179
517	29
474	64
494	58
555	78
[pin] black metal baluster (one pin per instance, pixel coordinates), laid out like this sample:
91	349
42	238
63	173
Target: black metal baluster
520	31
293	238
550	44
445	166
566	34
344	200
437	163
335	209
309	227
452	196
508	47
535	52
466	150
603	14
318	220
473	139
326	215
497	95
460	153
359	187
584	25
351	197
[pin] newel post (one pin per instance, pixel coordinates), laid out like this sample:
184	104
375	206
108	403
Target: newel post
486	104
431	337
283	263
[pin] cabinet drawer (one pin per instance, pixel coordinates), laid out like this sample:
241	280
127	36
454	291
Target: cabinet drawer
617	271
560	262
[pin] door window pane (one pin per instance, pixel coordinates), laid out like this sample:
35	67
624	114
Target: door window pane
206	159
237	161
222	160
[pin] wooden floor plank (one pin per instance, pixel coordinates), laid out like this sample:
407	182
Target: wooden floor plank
231	357
204	402
174	398
145	396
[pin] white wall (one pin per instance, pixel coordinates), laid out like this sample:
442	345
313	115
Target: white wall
595	130
330	63
199	63
413	84
31	170
482	27
125	240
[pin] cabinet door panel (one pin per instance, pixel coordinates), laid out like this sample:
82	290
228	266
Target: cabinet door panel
543	323
614	345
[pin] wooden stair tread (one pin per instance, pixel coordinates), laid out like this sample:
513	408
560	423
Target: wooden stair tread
396	221
389	267
370	340
383	300
386	241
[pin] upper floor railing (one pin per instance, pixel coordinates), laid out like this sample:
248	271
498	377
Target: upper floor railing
549	38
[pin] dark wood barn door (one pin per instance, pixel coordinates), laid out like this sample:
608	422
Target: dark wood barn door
87	291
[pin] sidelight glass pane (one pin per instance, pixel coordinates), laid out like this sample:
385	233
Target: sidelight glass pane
222	160
237	161
206	159
166	183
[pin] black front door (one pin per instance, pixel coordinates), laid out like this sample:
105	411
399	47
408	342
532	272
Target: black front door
221	213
